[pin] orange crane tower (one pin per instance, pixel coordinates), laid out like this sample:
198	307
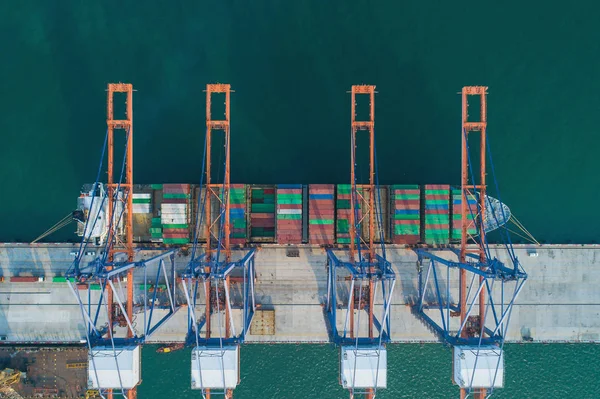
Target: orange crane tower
119	245
357	126
219	191
469	127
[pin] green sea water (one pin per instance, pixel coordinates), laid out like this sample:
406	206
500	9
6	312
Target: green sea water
291	63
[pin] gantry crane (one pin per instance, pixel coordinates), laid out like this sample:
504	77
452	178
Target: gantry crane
476	327
363	359
214	337
112	331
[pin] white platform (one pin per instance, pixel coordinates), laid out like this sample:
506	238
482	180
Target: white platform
358	368
215	368
103	371
478	368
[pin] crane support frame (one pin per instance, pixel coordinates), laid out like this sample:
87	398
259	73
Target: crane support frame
196	276
483	308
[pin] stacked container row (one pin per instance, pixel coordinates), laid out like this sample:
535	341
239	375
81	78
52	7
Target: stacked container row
142	203
156	220
289	214
406	214
321	214
381	212
343	210
174	213
237	214
457	217
437	214
262	214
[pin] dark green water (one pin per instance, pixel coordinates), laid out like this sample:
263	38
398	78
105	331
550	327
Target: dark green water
414	371
291	64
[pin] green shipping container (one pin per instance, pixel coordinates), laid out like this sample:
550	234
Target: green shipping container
445	217
175	226
343	240
176	240
320	221
238	235
156	186
59	279
263	208
405	187
289	201
239	223
456	232
437	192
436	202
407	196
343	226
406	217
344	189
288	196
290	217
142	201
176	195
458	216
343	204
401	229
156	222
95	287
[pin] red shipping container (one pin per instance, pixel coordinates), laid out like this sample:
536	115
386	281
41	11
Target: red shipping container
409	192
415	207
292	223
407	239
262	216
408	202
175	235
237	241
407	222
437	197
175	231
289	236
289	206
24	279
437	212
289	191
82	286
437	227
237	206
176	188
437	187
262	223
175	201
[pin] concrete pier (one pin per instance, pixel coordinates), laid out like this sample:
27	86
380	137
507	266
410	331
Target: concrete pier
559	303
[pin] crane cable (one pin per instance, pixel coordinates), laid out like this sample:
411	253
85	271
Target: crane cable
59	225
521	227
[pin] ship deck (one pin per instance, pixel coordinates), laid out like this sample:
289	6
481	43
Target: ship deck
559	303
50	372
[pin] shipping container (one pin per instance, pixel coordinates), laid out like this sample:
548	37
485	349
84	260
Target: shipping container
472	211
262	213
24	279
405	214
289	213
175	214
437	214
321	214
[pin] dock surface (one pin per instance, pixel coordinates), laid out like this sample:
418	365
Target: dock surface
559	303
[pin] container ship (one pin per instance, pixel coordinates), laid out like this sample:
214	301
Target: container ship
317	214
